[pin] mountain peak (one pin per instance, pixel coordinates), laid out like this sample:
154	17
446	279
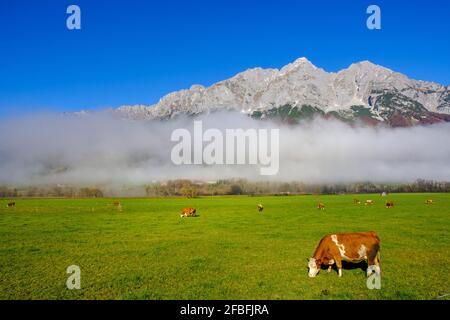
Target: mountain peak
366	64
299	63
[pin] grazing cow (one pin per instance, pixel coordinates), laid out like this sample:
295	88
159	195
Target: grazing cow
117	205
260	207
389	204
429	201
321	206
11	204
350	247
356	201
369	202
188	212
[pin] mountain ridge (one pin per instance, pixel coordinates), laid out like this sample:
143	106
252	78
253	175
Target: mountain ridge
387	95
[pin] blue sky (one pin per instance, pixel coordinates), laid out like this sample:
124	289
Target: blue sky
131	52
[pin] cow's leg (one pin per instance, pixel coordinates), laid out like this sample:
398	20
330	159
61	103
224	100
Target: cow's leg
373	257
338	265
330	265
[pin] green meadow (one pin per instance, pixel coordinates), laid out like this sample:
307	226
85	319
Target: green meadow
230	251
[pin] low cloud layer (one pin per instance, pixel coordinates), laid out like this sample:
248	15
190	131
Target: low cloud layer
102	149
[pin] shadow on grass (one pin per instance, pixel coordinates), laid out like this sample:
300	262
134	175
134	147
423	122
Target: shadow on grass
348	266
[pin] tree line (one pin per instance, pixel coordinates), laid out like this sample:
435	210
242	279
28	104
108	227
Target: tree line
192	189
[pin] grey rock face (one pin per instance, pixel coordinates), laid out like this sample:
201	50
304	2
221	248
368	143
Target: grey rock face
297	84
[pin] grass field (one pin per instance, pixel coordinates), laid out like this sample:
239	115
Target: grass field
230	251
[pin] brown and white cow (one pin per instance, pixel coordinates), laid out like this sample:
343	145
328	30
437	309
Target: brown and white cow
429	201
349	247
117	205
321	206
188	212
389	204
369	202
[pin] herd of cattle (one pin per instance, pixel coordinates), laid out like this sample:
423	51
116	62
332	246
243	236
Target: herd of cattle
191	212
332	249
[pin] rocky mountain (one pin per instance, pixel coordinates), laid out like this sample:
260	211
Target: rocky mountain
300	90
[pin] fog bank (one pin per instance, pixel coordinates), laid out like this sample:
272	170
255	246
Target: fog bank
101	149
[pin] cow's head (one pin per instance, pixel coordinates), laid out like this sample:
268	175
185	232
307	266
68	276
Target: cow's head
314	267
